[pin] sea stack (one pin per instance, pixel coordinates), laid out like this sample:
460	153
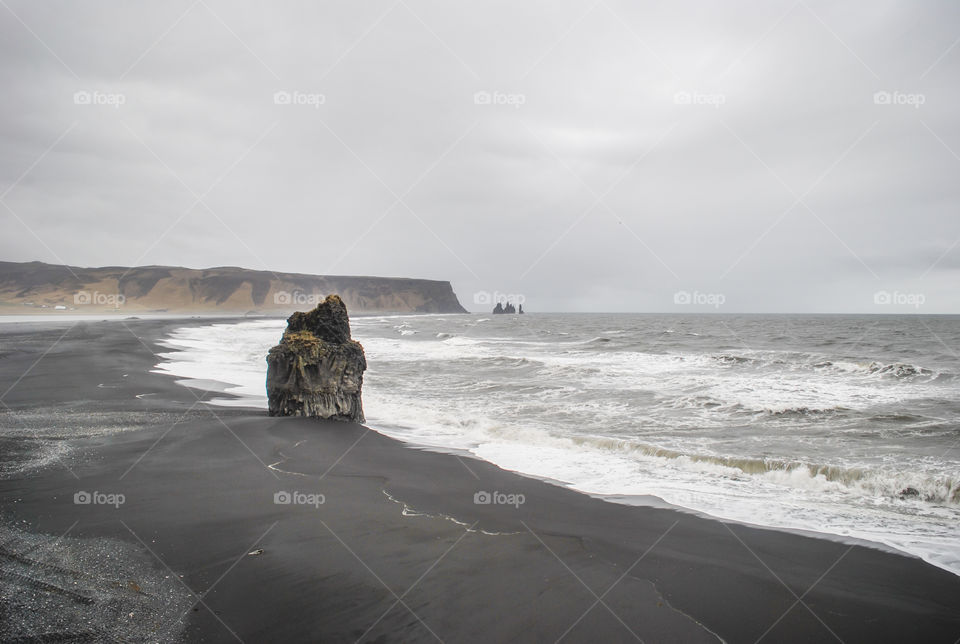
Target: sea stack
317	370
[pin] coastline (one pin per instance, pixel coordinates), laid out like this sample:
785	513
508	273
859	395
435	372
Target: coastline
640	454
396	517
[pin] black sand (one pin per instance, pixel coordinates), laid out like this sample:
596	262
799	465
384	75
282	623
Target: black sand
398	550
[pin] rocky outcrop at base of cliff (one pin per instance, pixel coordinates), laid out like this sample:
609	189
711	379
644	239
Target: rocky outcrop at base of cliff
317	370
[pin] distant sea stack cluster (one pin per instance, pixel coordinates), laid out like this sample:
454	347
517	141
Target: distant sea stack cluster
317	370
37	288
507	307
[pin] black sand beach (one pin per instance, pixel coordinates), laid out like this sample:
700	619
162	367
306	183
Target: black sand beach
398	550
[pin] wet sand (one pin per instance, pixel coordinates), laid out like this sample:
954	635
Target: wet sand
398	549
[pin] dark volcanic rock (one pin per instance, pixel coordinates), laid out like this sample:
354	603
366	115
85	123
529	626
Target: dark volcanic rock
317	370
329	321
909	491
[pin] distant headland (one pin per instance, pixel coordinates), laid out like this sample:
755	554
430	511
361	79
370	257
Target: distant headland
33	288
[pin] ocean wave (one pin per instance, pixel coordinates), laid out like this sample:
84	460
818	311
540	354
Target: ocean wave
695	402
727	359
899	370
405	329
794	361
509	362
736	407
879	482
459	340
804	410
898	418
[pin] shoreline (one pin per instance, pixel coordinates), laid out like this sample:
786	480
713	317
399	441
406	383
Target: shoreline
222	396
199	491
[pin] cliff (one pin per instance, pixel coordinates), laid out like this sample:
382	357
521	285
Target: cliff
37	287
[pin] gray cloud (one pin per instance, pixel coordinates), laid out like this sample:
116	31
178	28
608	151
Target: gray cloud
629	151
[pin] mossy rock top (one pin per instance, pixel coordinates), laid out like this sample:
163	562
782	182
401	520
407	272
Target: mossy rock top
328	322
301	341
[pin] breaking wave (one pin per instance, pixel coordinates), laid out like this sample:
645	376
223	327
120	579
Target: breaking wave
887	483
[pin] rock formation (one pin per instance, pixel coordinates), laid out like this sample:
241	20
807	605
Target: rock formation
317	370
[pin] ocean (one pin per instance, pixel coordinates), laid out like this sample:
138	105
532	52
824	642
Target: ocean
841	425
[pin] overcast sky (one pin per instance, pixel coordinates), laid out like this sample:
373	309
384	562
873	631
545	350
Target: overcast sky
610	155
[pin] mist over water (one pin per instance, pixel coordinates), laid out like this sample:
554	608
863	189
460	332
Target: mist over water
848	425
